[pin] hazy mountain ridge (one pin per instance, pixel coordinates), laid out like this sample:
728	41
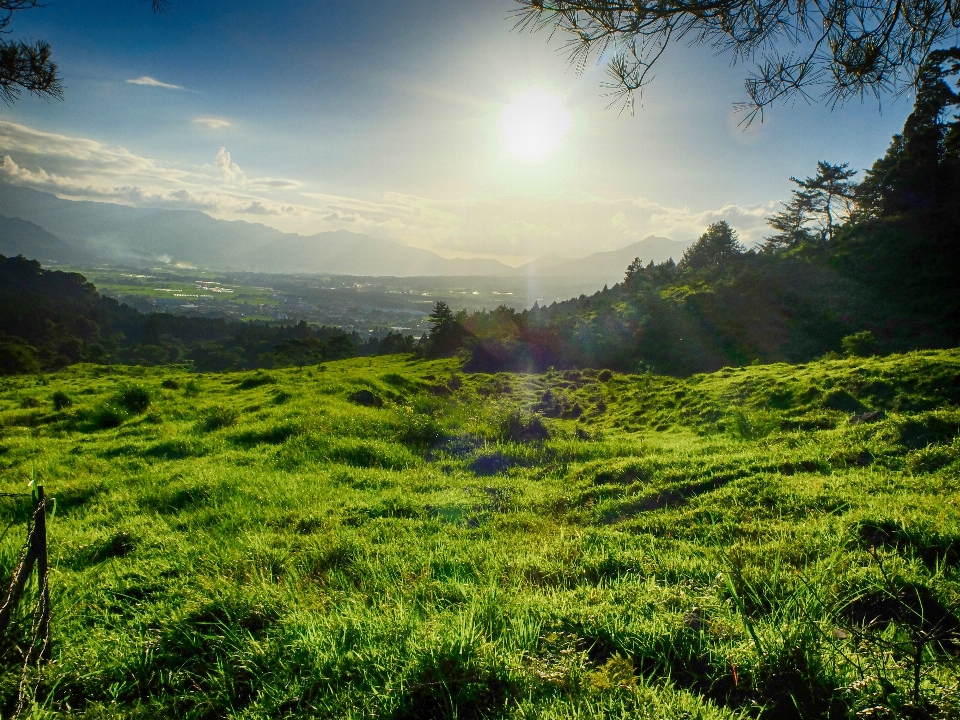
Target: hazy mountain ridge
608	266
84	232
22	237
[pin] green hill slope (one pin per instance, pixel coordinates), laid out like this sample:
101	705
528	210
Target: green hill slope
391	538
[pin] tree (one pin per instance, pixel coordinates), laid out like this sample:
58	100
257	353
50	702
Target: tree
717	248
301	350
791	223
29	67
846	48
447	330
921	170
634	273
816	209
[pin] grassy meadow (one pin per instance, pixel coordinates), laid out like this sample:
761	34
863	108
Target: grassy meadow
393	538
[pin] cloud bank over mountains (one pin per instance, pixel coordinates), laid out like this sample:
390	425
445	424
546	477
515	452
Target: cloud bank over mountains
507	226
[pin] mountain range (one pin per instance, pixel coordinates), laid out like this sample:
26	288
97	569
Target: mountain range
42	226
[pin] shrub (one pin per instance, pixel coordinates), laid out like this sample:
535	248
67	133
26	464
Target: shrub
861	344
27	402
133	398
61	401
217	418
193	387
107	416
365	398
256	380
520	427
170	384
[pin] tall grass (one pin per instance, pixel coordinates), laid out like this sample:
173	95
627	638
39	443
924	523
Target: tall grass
731	545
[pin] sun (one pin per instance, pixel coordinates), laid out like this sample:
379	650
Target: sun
534	124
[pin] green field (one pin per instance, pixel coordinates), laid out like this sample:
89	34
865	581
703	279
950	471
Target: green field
393	538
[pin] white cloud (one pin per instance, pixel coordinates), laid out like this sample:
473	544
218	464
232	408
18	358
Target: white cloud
212	122
153	82
508	225
82	169
229	171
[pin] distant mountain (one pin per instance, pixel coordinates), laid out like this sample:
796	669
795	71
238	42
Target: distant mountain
139	236
125	234
21	237
607	267
136	235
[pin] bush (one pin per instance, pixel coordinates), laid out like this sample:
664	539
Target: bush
256	380
61	401
18	359
520	427
134	399
861	344
217	418
365	398
107	416
28	402
170	384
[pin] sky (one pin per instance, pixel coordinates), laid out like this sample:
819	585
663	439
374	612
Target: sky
388	118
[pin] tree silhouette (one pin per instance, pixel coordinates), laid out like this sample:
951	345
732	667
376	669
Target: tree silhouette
717	248
921	170
845	48
29	67
447	330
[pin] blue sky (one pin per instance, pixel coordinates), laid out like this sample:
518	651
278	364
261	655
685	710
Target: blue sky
383	117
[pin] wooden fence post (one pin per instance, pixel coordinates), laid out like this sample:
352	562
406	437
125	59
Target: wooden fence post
34	551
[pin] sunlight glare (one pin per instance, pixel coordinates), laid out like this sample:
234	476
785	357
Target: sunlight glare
534	124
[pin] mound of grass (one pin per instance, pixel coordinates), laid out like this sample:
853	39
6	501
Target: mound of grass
216	418
135	399
61	401
769	542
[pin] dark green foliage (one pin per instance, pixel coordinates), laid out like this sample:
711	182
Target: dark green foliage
257	380
60	400
447	331
107	416
522	427
717	249
18	358
366	398
861	344
51	319
135	399
216	418
170	384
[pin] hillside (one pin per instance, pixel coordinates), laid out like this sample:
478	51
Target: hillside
393	538
139	236
82	232
20	237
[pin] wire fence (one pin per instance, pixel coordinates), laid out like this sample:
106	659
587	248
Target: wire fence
32	555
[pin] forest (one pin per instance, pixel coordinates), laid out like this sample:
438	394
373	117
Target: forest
51	319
